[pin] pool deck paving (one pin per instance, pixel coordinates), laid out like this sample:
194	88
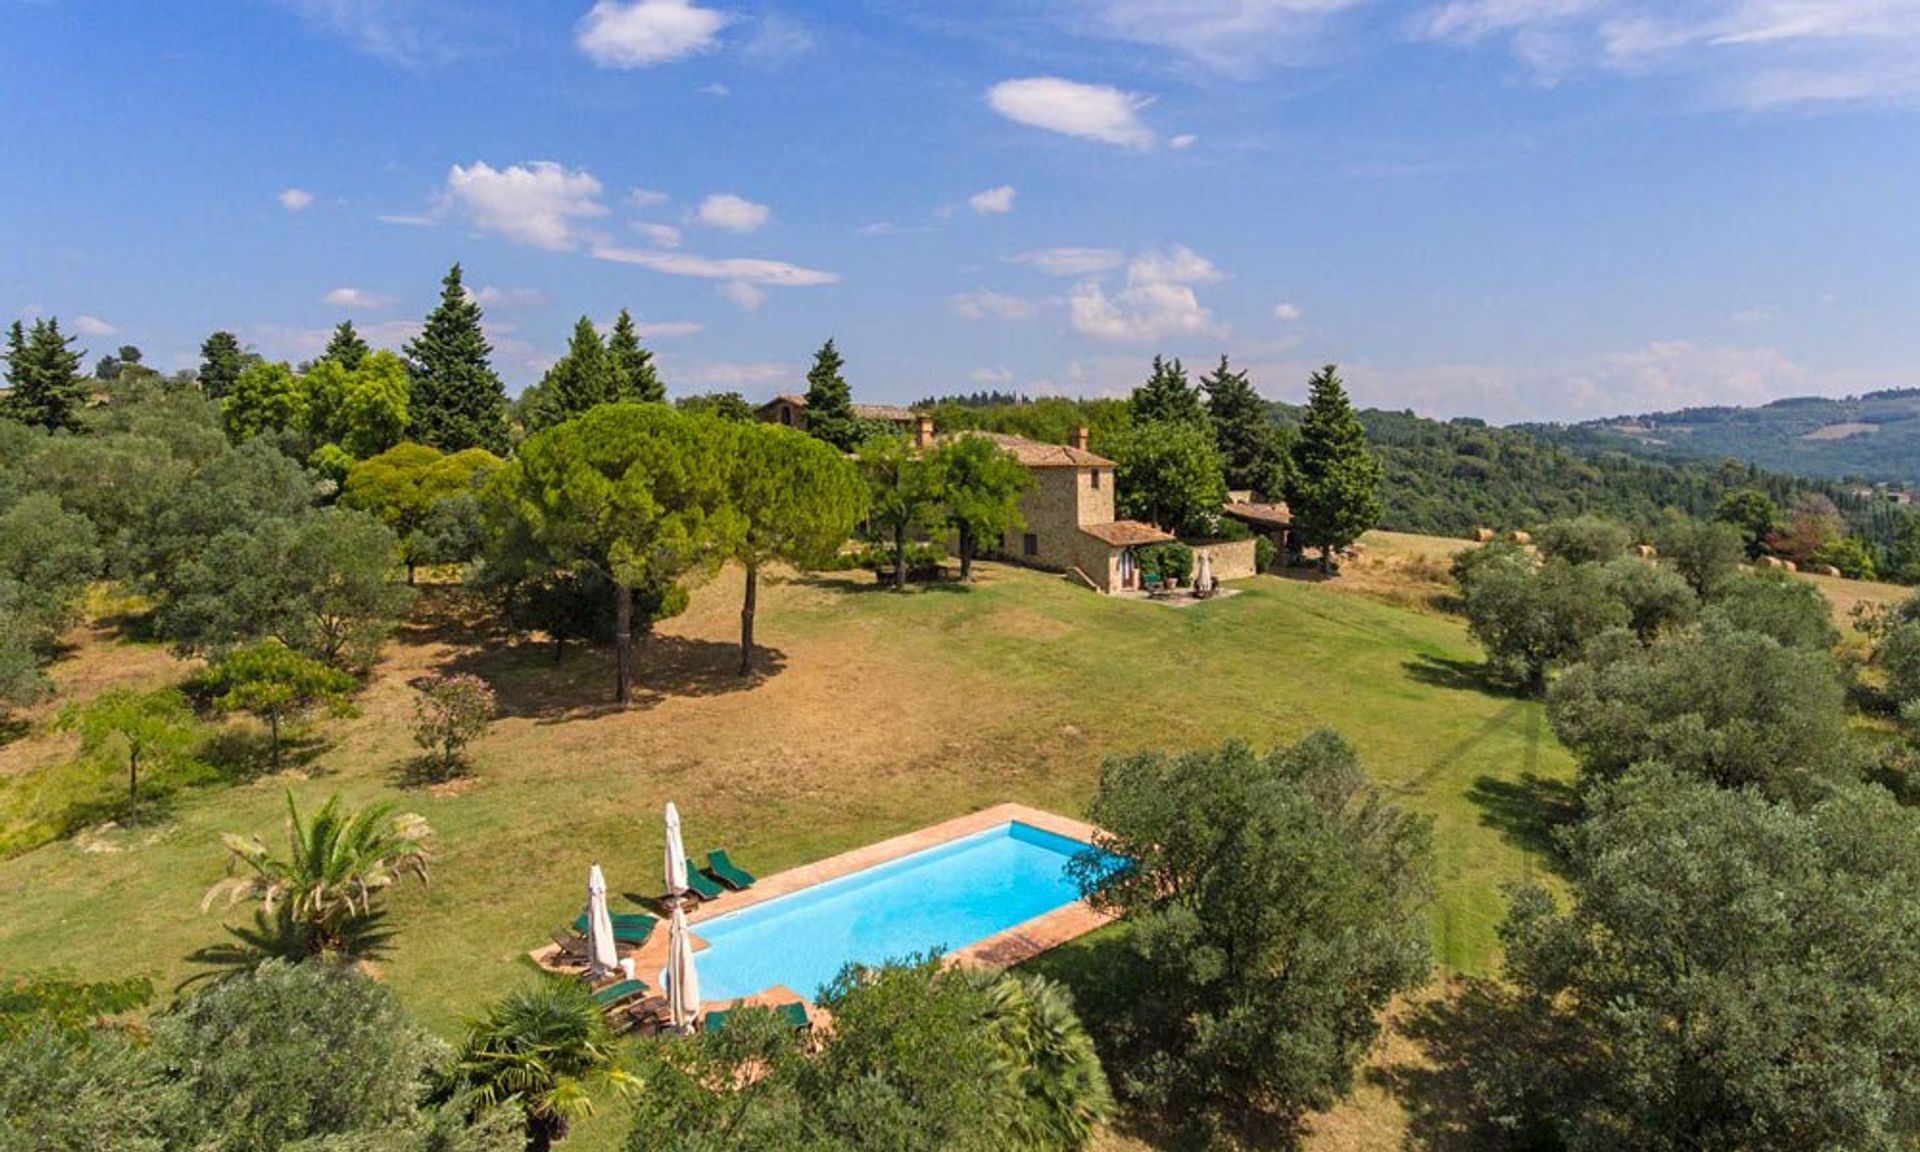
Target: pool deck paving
1016	945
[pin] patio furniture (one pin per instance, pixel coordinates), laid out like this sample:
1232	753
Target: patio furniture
628	928
618	994
700	885
794	1014
723	869
573	947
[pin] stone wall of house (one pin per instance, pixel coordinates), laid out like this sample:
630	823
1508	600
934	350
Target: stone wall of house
1232	559
782	412
1051	509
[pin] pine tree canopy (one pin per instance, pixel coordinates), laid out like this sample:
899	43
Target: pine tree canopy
1335	489
1167	396
631	364
346	348
43	377
1243	430
830	402
221	362
458	402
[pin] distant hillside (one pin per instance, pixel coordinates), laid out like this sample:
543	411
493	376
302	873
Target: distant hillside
1874	437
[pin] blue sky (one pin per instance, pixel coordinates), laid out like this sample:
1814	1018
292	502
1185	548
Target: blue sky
1515	209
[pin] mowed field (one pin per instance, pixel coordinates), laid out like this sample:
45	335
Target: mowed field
874	714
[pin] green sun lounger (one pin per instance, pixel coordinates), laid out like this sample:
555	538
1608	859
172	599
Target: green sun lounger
795	1015
614	995
726	871
626	929
698	883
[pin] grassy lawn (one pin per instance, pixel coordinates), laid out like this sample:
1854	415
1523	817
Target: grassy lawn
875	714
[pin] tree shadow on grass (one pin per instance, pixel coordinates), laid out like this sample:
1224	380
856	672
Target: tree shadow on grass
864	583
427	771
1527	812
1479	1034
13	728
278	937
1461	676
242	754
528	681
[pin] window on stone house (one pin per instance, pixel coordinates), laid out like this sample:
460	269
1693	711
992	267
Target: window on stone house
1030	545
1095	473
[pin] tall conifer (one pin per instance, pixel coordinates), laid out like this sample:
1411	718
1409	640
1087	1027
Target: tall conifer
1334	492
631	364
458	402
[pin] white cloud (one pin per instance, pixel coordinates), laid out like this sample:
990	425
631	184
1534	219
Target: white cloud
1071	261
730	374
1156	301
93	326
647	198
406	220
733	213
508	299
404	32
1751	54
1286	312
359	298
669	329
718	91
1236	37
1183	141
992	200
776	39
765	273
538	204
744	294
295	199
985	305
650	32
1088	111
659	235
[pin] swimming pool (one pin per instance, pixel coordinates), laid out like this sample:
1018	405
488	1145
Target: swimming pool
947	897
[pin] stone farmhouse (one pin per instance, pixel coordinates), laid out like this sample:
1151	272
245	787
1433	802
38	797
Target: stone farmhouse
1071	526
791	411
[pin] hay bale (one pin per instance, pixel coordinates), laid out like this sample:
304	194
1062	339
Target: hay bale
1483	535
1646	551
1520	537
1827	570
1790	565
1772	562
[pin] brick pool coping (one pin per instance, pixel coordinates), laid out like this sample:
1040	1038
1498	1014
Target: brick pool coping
1015	945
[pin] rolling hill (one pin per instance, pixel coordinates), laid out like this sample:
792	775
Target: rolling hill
1873	437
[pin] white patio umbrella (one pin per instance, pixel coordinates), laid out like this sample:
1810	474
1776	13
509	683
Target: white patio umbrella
683	982
1203	572
676	857
602	956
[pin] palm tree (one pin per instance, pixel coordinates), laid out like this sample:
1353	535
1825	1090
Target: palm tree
545	1048
1056	1070
336	863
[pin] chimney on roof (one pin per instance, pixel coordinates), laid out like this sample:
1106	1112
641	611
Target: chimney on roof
1079	439
922	431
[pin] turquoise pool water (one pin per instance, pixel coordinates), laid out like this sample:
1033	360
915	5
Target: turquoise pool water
946	897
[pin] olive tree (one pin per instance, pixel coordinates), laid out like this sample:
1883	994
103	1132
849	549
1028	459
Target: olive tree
981	484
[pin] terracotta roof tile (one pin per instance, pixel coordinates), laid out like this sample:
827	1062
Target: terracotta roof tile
1276	515
1124	533
1034	454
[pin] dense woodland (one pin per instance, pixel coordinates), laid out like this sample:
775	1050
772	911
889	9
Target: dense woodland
1874	437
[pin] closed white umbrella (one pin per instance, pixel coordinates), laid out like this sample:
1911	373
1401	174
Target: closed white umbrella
602	956
676	855
683	983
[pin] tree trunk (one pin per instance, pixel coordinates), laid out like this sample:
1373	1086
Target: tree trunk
966	554
900	557
410	568
622	644
273	739
133	788
1326	559
746	619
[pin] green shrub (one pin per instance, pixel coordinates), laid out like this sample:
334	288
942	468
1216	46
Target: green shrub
1166	562
1264	552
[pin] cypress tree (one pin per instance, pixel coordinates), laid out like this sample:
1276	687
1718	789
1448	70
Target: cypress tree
458	402
1242	430
830	401
346	348
1167	396
43	376
579	381
634	376
1334	491
221	362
